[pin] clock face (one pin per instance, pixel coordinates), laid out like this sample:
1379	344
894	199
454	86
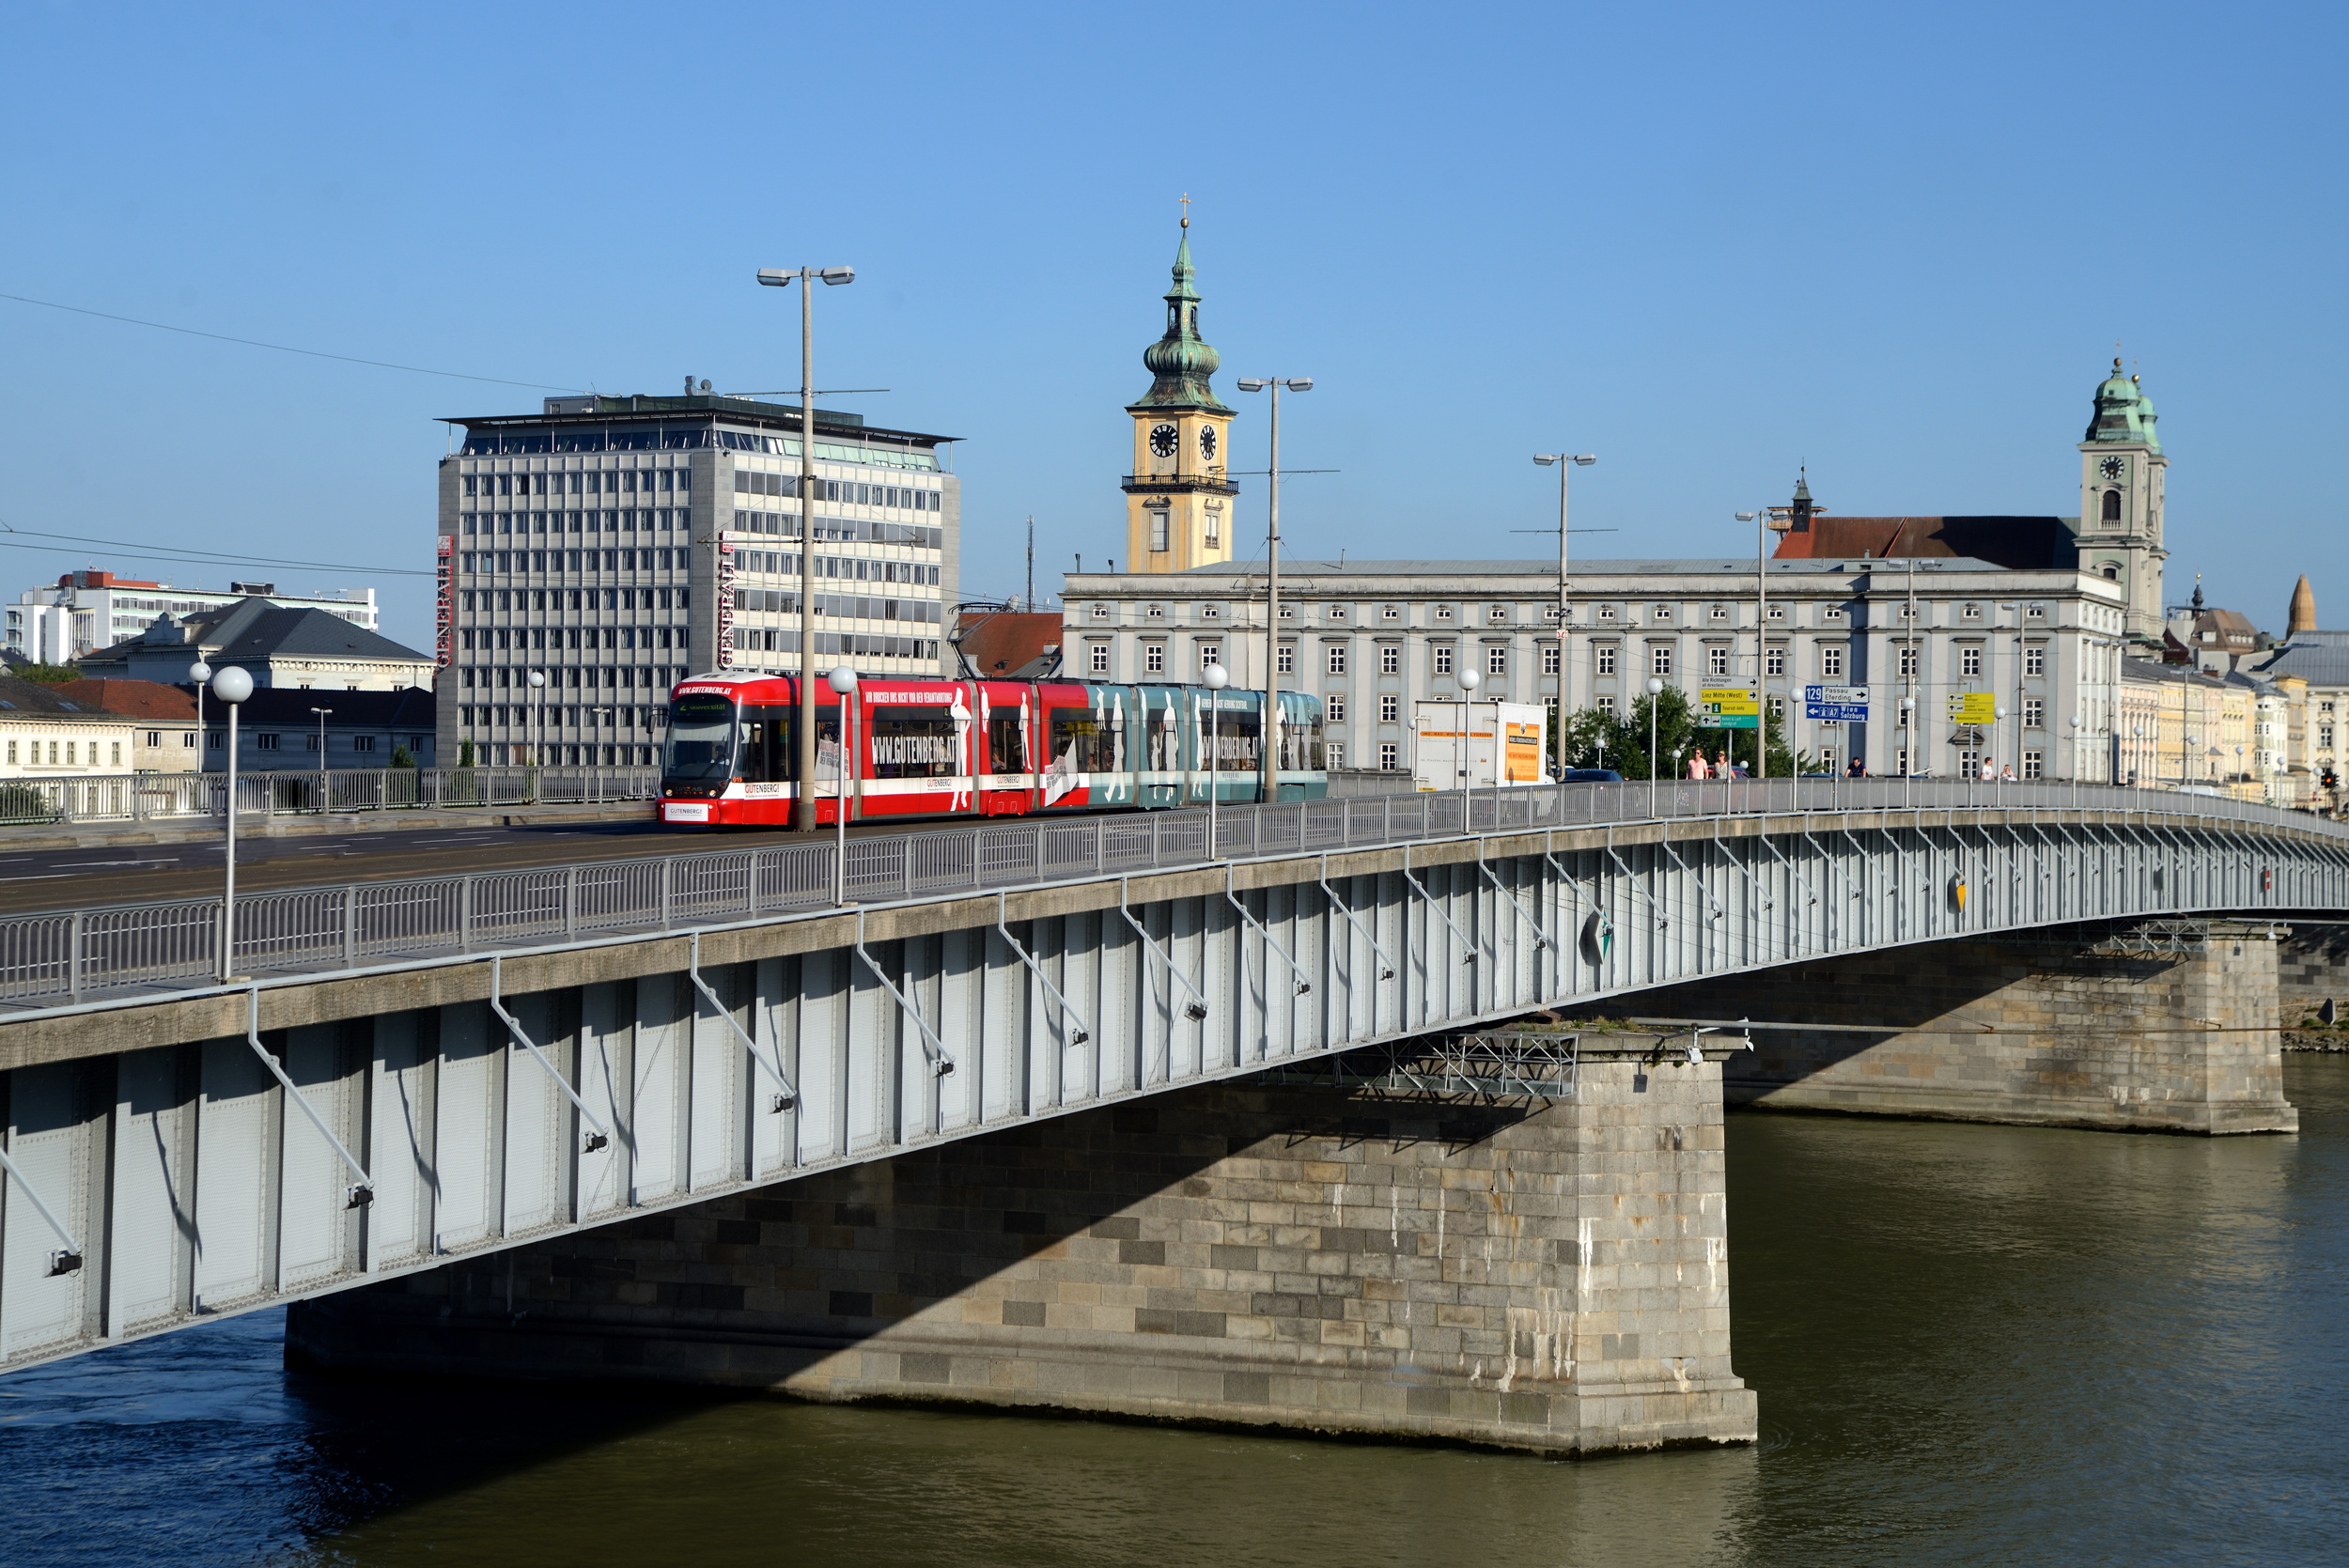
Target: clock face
2111	468
1207	441
1163	440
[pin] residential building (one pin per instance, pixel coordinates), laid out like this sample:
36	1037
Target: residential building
1373	638
87	611
2184	728
614	545
164	738
46	733
282	729
276	645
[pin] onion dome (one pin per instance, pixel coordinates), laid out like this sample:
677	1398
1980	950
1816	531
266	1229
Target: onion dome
2124	412
1182	361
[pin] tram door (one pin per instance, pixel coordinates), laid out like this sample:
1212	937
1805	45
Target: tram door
1006	756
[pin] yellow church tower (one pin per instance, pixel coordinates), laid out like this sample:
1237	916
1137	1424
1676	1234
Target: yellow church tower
1178	501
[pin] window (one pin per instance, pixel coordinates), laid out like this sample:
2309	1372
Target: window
1900	762
2325	737
1496	660
1971	612
265	742
2112	507
1970	662
114	751
1336	654
1213	531
1211	611
1100	611
2034	713
1335	754
2036	612
1210	653
1443	611
1831	662
1550	653
1660	659
1718	612
2034	662
1154	612
1606	705
2035	764
1775	663
1441	653
1391	659
1100	658
1335	705
1831	613
1908	659
1606	612
1662	614
1497	613
1154	658
1157	529
1390	709
1603	658
310	741
363	743
154	737
1716	661
1778	707
1390	611
1389	756
1777	611
1337	612
1288	658
2112	573
1827	759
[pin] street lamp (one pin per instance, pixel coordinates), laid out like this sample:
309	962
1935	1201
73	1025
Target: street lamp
2075	722
2137	735
1908	745
538	681
780	277
1997	717
1655	690
843	681
1271	727
1470	680
200	673
231	686
322	712
1216	677
1766	521
1565	463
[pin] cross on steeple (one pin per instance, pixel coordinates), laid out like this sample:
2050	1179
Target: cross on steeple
1186	208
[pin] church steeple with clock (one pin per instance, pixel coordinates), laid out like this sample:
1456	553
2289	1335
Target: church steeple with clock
2122	469
1178	497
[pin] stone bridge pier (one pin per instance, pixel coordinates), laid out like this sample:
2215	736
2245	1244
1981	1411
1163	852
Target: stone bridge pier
1347	1255
2162	1026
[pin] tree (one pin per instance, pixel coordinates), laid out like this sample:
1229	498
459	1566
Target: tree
464	753
48	675
1596	739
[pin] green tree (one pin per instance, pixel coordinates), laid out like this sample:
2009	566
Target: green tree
1595	738
48	675
464	753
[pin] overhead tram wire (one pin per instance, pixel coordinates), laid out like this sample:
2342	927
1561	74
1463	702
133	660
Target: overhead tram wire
77	544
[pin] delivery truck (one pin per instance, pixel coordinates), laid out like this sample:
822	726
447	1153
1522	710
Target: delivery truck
1476	745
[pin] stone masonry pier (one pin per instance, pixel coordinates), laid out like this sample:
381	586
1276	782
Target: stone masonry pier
2166	1026
1548	1276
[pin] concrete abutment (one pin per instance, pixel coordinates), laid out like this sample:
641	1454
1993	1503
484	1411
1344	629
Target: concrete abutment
1546	1276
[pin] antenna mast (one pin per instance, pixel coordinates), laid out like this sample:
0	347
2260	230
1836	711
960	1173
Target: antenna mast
1028	604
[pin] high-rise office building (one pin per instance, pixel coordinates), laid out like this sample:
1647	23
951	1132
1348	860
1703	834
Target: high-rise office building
614	545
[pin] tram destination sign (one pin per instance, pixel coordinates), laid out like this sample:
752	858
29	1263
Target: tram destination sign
1847	704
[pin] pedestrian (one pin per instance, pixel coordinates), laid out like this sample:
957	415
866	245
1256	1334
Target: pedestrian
1989	772
1858	769
2006	774
1696	763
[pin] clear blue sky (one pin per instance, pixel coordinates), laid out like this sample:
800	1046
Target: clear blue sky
1709	243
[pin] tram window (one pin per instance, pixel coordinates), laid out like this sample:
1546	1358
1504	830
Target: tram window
1005	753
913	743
1084	740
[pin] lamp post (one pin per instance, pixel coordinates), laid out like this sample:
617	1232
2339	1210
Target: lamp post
200	673
2075	722
322	713
1655	690
1997	717
843	681
1565	463
781	277
231	686
2136	744
1470	680
1216	677
1766	521
538	722
1909	747
1270	737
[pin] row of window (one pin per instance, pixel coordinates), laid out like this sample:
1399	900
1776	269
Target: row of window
1497	614
624	481
615	676
847	568
563	716
75	752
570	636
871	531
1604	659
505	754
855	645
573	560
657	517
510	599
847	492
845	607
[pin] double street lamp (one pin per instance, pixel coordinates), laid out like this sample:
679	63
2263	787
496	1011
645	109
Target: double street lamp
1565	463
1268	736
782	277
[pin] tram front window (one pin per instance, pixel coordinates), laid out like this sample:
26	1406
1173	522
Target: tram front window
703	730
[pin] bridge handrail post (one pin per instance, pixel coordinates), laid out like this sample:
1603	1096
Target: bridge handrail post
75	957
351	927
664	894
571	901
464	914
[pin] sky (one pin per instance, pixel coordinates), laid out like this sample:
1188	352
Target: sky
1894	245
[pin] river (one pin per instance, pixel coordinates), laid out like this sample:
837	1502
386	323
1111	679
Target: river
1972	1344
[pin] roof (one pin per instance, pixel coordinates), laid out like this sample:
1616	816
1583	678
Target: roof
2145	672
411	708
1000	644
2319	657
640	409
2019	543
32	698
135	699
1417	571
257	628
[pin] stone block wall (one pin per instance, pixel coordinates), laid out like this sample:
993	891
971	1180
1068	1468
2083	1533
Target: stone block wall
2067	1030
2313	967
1545	1276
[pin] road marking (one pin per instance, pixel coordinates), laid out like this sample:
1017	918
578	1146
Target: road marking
77	866
52	876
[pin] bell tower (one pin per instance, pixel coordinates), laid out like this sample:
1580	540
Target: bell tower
2122	469
1178	499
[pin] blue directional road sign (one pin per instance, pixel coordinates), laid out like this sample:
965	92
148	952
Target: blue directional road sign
1848	704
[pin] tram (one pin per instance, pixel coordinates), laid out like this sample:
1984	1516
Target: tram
975	748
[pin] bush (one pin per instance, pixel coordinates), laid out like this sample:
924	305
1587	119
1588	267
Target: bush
48	675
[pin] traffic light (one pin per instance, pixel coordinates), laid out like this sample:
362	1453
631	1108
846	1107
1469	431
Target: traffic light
2332	780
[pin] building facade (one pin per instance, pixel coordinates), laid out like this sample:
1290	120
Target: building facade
612	546
1372	638
297	648
1180	495
2121	477
45	734
285	729
87	611
163	735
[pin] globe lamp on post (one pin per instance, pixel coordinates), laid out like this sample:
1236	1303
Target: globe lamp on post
231	686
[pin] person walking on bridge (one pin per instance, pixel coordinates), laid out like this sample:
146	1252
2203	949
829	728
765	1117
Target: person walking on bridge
1696	764
1989	771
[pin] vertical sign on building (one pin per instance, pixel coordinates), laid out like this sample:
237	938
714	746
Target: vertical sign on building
725	602
448	608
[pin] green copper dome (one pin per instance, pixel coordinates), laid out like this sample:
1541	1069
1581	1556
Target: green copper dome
2124	412
1182	361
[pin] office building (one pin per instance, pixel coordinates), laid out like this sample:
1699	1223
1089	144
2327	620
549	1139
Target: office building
86	611
612	546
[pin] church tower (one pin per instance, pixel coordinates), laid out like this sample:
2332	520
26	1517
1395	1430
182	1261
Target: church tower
1179	502
2121	469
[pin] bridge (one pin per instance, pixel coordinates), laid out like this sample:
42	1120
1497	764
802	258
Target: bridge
1095	1113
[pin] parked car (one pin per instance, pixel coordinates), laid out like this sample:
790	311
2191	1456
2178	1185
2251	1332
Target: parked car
1590	775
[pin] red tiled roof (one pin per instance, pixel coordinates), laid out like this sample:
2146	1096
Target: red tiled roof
132	699
1004	646
2018	542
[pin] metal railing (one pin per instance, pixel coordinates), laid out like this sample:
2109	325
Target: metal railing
164	796
72	955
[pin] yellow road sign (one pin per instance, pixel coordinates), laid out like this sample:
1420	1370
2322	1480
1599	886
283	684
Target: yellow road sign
1729	700
1973	707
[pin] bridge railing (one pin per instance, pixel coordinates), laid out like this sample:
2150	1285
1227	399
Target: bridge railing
164	796
72	955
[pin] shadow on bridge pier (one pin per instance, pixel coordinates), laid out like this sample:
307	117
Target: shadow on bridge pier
2162	1026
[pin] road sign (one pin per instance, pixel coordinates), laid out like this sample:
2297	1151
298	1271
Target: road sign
1973	707
1845	704
1727	708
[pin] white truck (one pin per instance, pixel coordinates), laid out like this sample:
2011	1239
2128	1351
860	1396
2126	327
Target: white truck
1476	745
